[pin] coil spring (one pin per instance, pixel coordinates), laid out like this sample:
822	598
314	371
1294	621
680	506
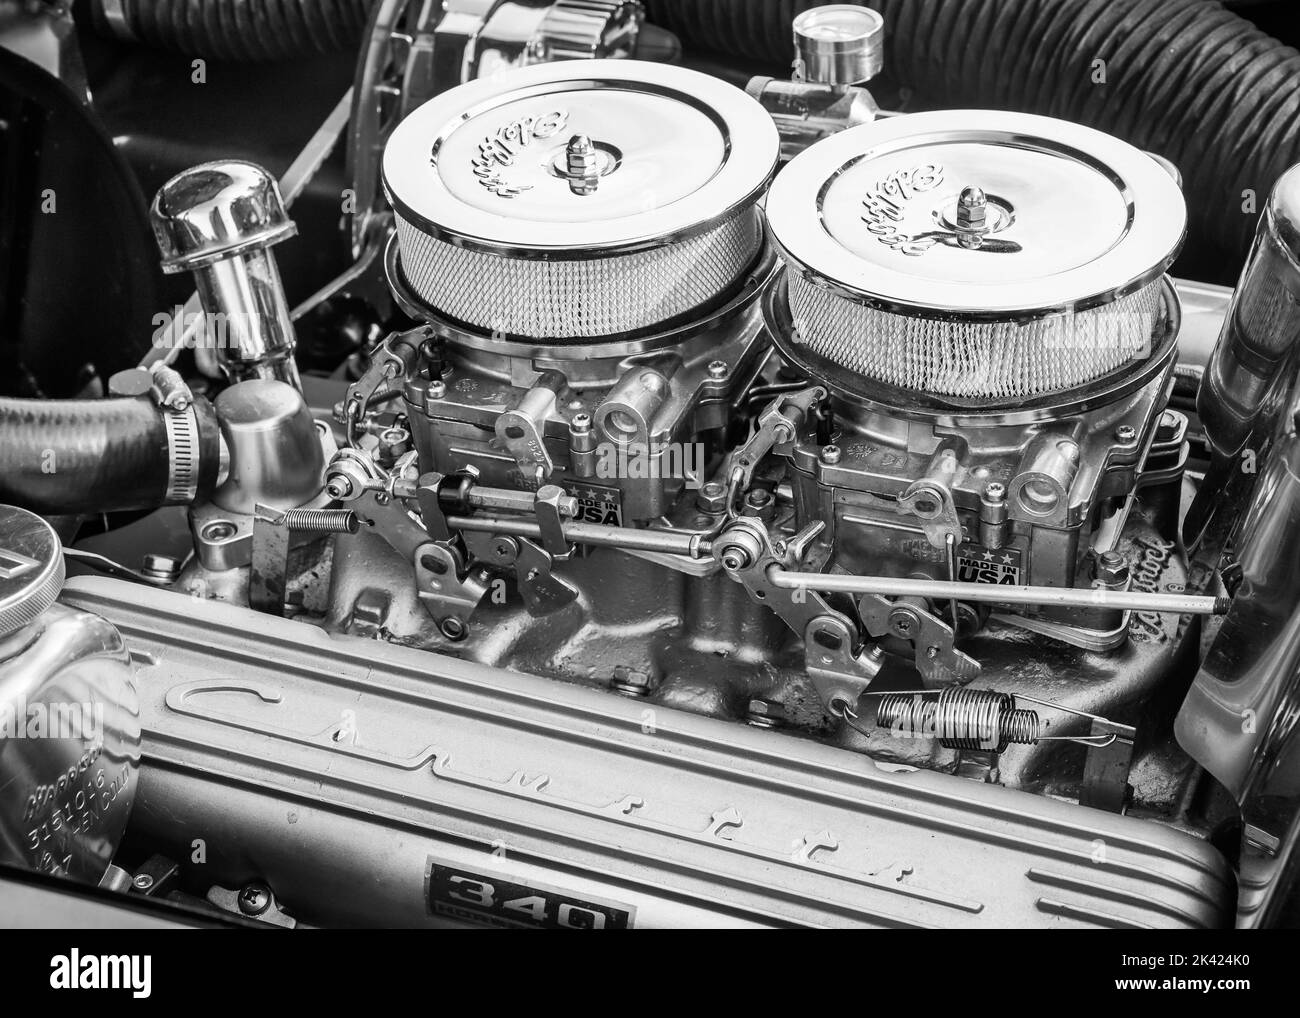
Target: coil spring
322	521
960	719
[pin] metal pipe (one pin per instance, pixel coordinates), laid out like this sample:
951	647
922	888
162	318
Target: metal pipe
1125	600
219	221
1250	375
689	545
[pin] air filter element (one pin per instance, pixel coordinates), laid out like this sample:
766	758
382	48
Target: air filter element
982	256
578	200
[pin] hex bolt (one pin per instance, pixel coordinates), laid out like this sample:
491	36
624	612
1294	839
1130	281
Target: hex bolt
830	454
711	498
630	682
765	713
972	209
254	899
1111	569
582	164
161	567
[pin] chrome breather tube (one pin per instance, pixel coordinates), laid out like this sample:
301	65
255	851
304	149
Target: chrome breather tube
1124	600
219	221
1251	368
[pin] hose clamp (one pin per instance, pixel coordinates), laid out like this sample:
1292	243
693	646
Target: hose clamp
182	455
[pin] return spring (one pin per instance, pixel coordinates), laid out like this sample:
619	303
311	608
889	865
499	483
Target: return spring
318	521
964	718
960	719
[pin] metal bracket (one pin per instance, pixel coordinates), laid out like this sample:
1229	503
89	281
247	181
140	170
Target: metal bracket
1106	768
542	591
522	429
778	426
550	518
932	506
448	592
267	579
937	658
839	670
273	532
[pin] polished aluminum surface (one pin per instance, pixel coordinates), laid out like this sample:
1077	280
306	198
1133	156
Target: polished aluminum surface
1075	217
217	210
479	166
381	756
219	220
1261	329
275	449
31	568
69	743
839	44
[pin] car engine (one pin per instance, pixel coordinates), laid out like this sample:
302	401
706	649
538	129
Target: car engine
608	477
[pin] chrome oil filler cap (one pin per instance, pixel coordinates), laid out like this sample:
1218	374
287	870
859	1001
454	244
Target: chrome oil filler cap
579	199
69	715
976	254
31	568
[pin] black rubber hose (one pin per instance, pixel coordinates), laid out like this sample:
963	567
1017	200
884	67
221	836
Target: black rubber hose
1186	79
92	455
242	30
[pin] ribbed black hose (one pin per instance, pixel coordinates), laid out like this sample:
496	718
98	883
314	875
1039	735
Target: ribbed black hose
86	455
1187	79
245	30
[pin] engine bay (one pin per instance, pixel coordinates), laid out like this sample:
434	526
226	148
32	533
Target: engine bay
674	496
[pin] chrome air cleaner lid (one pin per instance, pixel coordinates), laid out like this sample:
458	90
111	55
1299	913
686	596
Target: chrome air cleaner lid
581	198
976	253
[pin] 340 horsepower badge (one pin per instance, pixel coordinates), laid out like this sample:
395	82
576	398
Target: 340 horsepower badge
492	900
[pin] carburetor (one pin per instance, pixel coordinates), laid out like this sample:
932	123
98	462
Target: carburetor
981	294
583	244
709	476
